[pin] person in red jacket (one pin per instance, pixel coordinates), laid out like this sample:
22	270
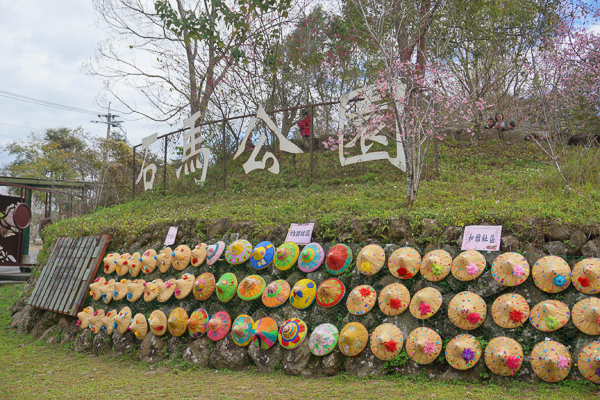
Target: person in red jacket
305	124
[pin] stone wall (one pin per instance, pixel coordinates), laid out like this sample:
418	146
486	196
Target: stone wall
533	240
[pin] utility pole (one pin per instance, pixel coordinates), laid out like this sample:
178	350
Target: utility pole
110	121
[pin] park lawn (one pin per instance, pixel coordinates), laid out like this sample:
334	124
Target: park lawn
35	369
491	181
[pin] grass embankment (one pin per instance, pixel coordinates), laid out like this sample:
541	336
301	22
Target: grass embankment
34	369
491	181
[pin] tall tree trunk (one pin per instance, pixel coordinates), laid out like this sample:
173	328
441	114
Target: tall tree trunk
194	100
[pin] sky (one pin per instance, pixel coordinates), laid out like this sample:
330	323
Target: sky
43	45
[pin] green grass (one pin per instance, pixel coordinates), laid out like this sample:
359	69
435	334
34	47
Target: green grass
33	369
485	181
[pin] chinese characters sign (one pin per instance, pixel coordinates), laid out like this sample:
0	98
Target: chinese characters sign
300	233
481	237
361	111
171	236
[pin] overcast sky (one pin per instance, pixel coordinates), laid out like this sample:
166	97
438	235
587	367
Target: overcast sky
43	45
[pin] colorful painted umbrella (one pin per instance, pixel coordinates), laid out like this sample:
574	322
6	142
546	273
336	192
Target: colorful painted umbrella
404	263
218	326
303	294
262	255
323	339
311	257
238	252
286	256
251	287
241	331
276	293
265	333
292	333
226	287
338	259
330	292
198	323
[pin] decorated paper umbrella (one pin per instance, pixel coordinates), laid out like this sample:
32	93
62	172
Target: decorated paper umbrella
199	254
163	259
166	290
353	339
95	322
386	341
158	322
135	290
311	257
238	252
178	320
425	303
134	264
95	288
204	286
139	326
436	265
181	257
84	317
148	261
251	287
338	259
370	259
589	362
123	264
586	315
184	285
463	352
286	256
292	333
265	333
549	315
198	323
510	310
214	251
551	361
106	291
423	345
394	299
552	274
504	356
110	262
108	322
330	292
586	276
468	265
303	293
510	269
218	326
151	290
226	287
323	339
241	331
262	255
276	293
123	320
404	263
361	300
467	310
120	289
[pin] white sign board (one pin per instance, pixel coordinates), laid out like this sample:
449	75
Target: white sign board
482	237
300	233
171	236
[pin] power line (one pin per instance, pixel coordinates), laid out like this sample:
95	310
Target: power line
45	88
32	100
21	126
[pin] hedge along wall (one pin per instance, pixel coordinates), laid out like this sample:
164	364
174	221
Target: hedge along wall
225	354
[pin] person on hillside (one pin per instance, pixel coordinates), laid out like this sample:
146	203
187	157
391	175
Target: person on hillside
500	125
512	126
490	123
304	124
